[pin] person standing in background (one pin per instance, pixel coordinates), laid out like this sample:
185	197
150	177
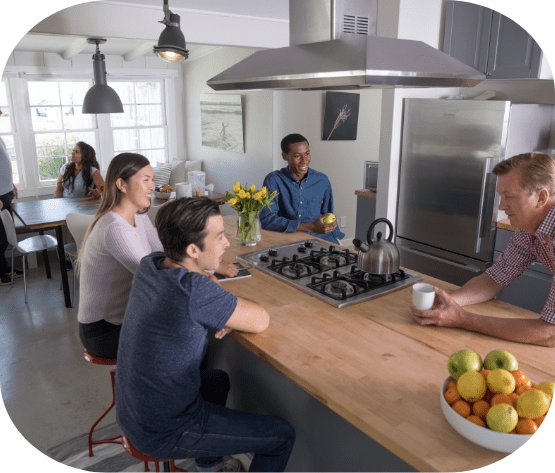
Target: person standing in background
8	192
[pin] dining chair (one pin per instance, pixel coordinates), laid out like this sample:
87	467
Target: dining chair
24	247
77	225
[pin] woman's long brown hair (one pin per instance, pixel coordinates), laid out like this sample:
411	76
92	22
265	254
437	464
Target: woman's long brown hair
124	166
88	159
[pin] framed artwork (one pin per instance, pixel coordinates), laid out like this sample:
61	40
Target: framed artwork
341	116
222	122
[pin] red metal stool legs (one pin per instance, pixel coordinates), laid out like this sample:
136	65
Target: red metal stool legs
169	465
117	439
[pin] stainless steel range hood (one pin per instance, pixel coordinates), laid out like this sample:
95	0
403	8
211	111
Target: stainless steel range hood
334	46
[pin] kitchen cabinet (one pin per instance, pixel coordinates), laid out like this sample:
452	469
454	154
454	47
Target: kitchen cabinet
489	42
531	288
366	212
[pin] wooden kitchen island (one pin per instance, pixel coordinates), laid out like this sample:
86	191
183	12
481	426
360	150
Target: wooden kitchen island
368	363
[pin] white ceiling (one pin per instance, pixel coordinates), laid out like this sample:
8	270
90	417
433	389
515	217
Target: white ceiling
68	46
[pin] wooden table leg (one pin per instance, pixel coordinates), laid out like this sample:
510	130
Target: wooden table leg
63	271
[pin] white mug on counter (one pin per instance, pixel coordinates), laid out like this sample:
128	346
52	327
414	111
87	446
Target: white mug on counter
423	296
183	189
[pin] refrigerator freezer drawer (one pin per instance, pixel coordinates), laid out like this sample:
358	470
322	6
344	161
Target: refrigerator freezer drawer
443	265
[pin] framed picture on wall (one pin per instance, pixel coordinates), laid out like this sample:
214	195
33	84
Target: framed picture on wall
222	122
341	116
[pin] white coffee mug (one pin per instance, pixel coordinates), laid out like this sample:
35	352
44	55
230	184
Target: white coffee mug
423	296
183	189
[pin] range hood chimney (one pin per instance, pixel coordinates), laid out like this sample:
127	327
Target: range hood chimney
334	46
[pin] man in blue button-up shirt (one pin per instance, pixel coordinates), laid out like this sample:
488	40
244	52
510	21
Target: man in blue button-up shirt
304	195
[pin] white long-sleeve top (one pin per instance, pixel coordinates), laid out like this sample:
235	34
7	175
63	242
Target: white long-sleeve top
111	255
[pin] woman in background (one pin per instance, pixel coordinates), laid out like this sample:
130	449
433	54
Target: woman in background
77	178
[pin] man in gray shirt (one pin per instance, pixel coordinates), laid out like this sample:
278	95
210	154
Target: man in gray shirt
7	193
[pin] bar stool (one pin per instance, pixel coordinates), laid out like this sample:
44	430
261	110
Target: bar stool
96	360
169	465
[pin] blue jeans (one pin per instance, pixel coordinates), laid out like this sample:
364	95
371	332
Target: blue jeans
223	431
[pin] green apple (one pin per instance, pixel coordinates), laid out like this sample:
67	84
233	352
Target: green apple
500	359
329	218
462	361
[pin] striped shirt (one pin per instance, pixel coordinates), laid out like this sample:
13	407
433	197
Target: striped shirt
522	250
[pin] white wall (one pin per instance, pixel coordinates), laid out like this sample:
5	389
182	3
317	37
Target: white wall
223	168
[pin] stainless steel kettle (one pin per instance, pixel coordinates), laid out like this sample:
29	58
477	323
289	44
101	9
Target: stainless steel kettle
380	256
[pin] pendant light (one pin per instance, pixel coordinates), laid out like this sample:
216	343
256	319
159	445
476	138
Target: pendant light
100	98
171	45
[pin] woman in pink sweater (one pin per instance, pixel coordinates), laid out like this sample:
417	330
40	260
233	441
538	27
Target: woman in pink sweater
119	236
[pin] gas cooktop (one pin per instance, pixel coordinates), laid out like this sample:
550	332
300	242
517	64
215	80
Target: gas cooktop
326	272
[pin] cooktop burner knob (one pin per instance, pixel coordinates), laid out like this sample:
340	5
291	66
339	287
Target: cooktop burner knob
264	258
308	244
301	249
272	252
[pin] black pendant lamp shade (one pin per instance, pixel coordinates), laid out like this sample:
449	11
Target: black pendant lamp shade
171	45
101	98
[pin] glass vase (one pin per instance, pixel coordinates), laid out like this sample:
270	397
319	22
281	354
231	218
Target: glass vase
248	228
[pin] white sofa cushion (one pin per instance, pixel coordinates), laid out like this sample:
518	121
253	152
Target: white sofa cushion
180	168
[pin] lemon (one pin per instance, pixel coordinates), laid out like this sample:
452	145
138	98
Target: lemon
471	386
502	418
501	381
547	387
532	404
329	218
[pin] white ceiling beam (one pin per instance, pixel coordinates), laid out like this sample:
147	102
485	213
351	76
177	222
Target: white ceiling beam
75	47
89	19
138	51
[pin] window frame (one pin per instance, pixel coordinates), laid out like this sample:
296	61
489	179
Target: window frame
13	134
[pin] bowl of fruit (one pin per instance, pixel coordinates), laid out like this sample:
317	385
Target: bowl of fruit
493	403
164	192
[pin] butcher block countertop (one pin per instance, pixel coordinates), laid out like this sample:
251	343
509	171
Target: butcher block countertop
371	364
365	193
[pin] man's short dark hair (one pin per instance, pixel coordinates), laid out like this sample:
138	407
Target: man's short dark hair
182	222
290	139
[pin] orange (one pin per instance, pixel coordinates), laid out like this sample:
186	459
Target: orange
487	397
526	426
522	388
501	398
476	420
461	407
480	408
539	420
451	384
514	397
451	395
521	378
484	372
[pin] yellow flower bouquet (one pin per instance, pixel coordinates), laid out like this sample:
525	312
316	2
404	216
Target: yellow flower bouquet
248	202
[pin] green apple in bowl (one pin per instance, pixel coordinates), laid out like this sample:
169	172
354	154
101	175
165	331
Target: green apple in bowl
500	359
462	361
329	218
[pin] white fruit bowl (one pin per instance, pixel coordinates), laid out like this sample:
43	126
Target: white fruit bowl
486	438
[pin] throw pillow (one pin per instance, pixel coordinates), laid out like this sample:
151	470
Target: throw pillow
180	168
162	174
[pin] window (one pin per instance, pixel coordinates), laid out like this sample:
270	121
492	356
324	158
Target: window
58	122
6	129
142	126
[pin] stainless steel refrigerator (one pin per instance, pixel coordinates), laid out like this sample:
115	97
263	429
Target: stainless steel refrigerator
447	205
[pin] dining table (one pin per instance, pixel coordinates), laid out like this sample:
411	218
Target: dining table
39	215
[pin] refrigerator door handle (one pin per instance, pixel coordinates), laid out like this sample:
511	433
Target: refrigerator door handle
485	202
467	267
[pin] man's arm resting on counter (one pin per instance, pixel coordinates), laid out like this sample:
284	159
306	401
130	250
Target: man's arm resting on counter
479	289
447	313
248	316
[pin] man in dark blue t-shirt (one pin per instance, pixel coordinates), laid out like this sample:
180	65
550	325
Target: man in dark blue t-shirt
304	195
166	405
